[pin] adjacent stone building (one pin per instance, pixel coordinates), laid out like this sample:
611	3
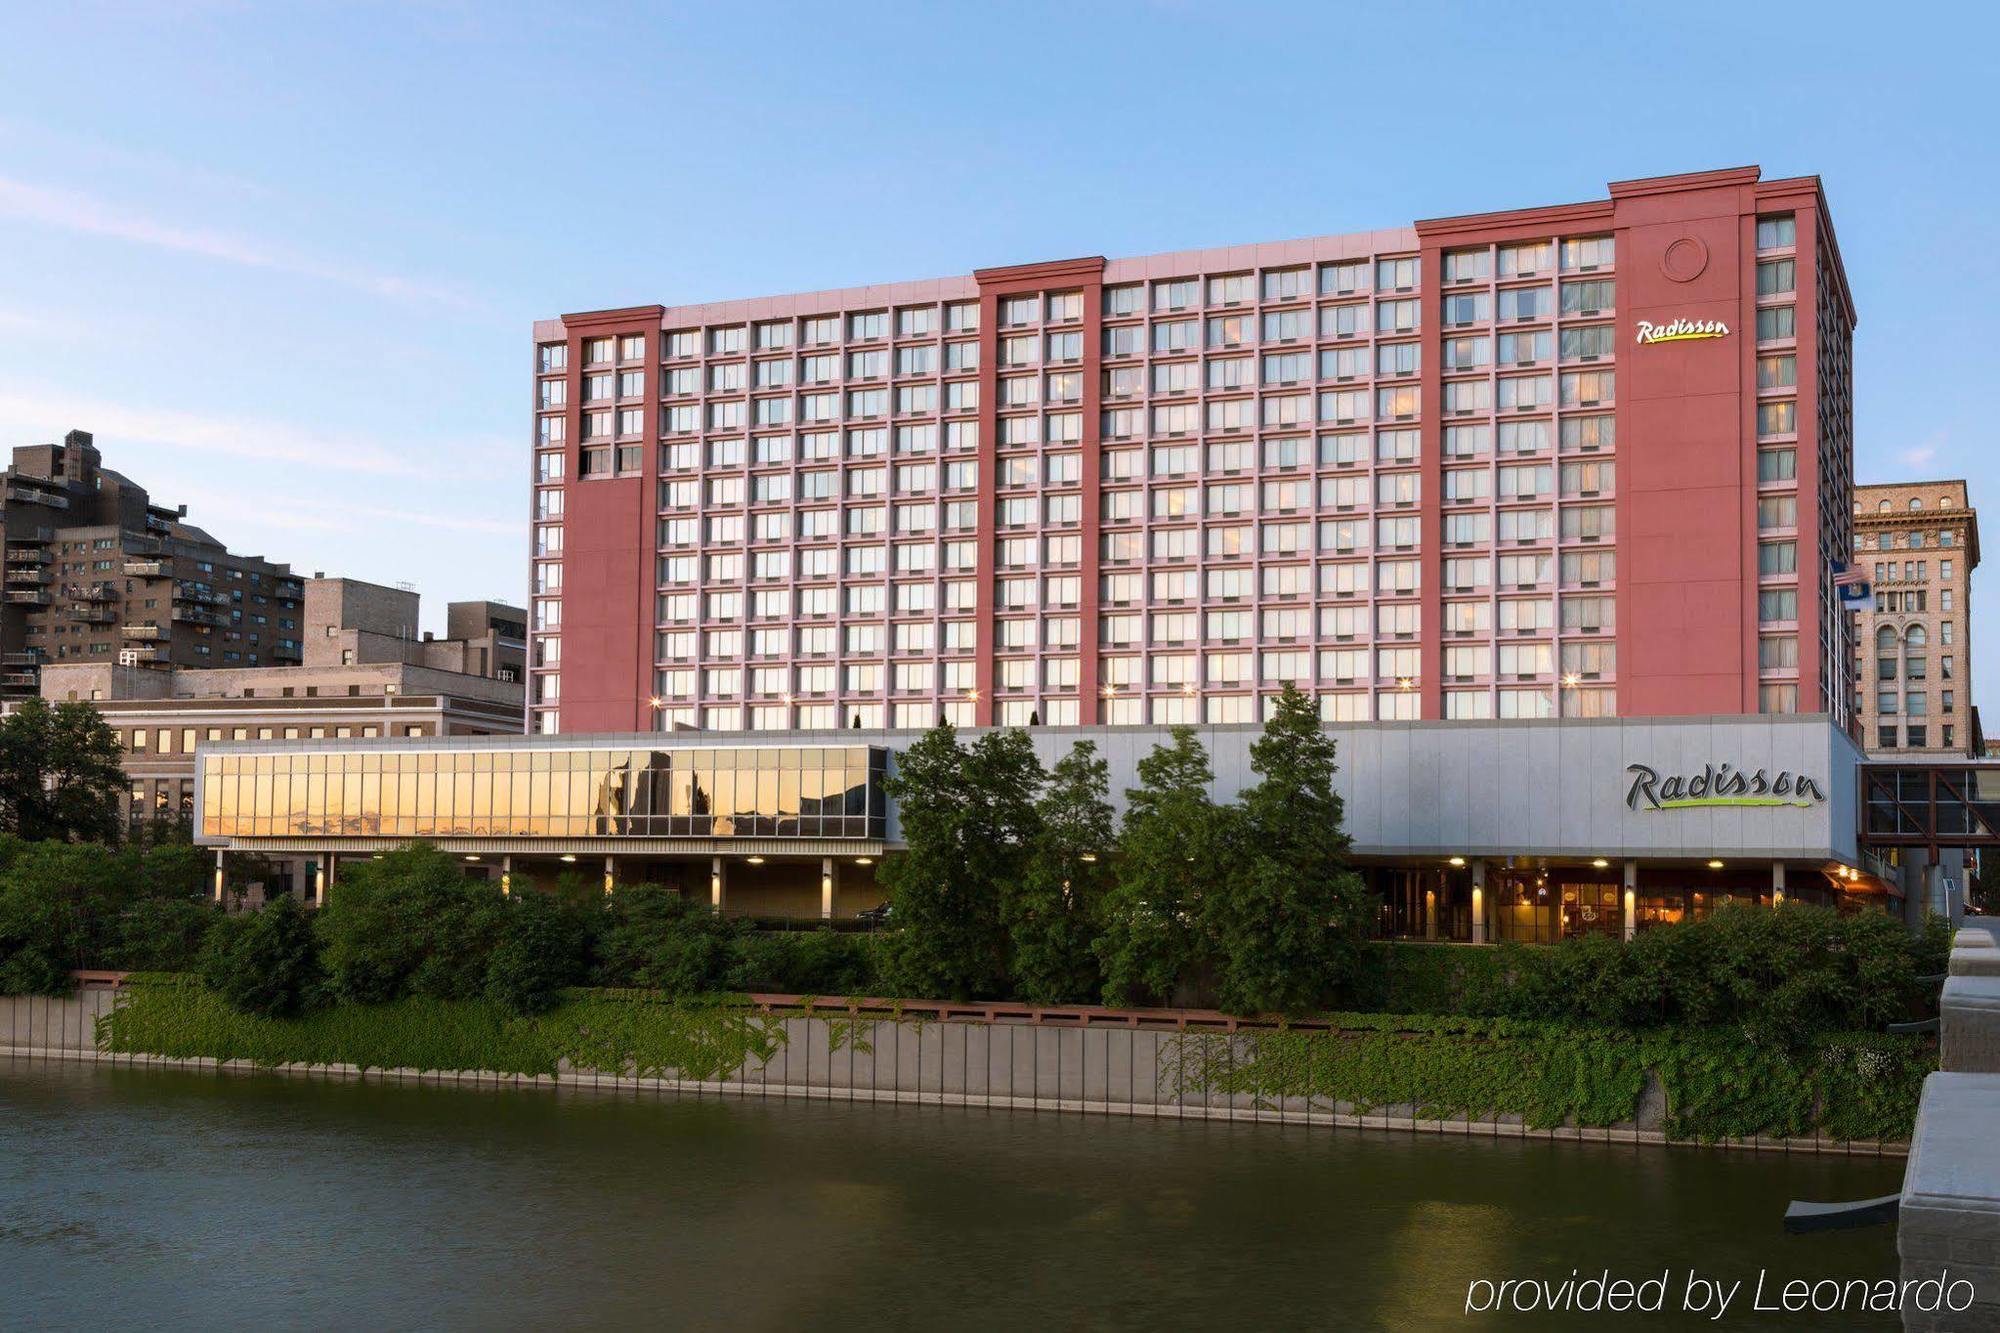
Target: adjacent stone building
1918	541
350	622
162	717
95	572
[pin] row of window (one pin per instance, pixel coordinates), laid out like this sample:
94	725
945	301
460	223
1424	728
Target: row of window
1515	260
1169	709
1185	671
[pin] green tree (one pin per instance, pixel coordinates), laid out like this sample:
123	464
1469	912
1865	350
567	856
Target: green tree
1053	909
64	906
1287	918
265	962
968	818
61	773
1168	851
542	948
410	923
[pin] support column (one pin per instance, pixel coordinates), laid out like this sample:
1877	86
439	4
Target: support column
1631	899
506	876
220	880
610	875
1430	914
1777	883
826	873
715	885
1479	902
322	878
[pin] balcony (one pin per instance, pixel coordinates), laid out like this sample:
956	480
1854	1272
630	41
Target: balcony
17	493
195	615
142	656
27	681
145	569
27	574
18	553
91	592
86	614
26	658
30	536
28	596
146	633
159	523
195	592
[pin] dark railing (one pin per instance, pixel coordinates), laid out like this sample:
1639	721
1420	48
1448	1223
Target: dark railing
1930	805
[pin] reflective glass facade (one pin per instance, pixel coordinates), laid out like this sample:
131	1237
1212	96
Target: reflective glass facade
830	791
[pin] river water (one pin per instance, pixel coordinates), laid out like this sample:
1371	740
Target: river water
135	1197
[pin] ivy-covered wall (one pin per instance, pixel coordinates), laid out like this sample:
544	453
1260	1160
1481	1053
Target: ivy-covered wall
1716	1084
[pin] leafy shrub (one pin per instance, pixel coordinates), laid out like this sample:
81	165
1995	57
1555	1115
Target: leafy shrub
816	962
410	923
655	938
265	962
543	947
1779	976
162	935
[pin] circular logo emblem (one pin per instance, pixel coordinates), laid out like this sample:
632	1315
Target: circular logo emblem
1685	260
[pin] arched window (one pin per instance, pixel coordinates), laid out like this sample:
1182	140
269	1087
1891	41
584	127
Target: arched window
1915	638
1885	640
1883	508
1915	503
1944	502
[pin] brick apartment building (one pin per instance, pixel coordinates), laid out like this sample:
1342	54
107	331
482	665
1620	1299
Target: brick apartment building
95	572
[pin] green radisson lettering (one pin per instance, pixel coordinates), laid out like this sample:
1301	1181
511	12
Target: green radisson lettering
1719	786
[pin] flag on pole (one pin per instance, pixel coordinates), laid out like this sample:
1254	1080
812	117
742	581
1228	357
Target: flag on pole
1852	581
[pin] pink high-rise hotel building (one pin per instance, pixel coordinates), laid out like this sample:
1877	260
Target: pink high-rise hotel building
1589	459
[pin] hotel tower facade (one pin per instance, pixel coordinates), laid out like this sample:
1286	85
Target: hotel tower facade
1585	460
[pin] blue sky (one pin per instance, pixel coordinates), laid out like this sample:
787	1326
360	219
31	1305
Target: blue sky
283	258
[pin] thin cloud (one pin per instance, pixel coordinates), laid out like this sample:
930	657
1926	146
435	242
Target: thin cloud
28	417
294	514
66	210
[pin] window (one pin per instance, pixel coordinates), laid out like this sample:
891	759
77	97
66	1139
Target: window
1779	418
1589	296
1463	308
1523	303
1526	258
1341	278
1776	233
1776	276
1582	254
1395	274
1776	322
1467	265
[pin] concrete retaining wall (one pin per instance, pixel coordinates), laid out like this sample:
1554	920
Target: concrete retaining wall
1028	1066
38	1022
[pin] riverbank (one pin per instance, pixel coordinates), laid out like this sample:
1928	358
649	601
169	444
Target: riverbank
1852	1094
